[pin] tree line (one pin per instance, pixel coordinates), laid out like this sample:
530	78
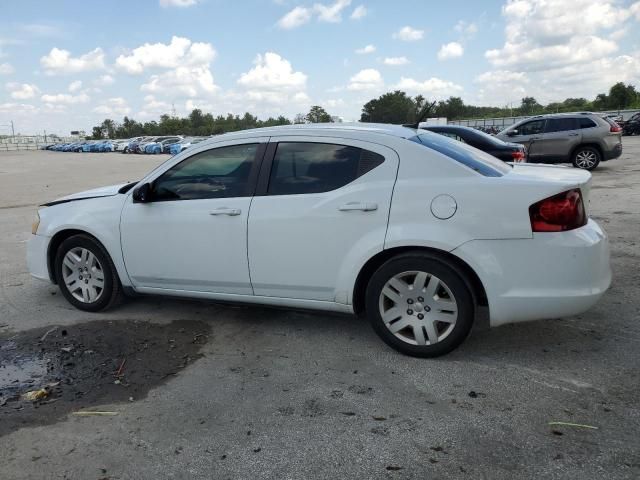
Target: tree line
393	107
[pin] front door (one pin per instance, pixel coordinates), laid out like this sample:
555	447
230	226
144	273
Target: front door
192	235
324	204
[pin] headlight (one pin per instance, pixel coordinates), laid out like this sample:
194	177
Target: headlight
35	224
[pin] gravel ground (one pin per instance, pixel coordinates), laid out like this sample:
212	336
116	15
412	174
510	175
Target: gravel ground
282	394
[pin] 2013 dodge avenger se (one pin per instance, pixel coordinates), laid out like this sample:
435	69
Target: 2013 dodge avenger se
410	228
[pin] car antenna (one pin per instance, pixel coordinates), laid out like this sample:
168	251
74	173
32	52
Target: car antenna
422	115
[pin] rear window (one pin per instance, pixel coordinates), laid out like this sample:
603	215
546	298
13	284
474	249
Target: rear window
468	156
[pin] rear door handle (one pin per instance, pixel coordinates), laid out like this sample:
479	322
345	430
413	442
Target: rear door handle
232	212
573	135
364	207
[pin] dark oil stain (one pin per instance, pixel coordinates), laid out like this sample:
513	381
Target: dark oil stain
89	364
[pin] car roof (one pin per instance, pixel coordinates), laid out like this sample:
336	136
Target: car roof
353	130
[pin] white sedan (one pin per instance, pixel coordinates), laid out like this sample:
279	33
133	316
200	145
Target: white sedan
412	229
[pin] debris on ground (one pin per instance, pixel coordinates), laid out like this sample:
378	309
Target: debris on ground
576	425
94	413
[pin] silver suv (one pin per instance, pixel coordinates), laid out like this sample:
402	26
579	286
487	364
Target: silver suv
584	139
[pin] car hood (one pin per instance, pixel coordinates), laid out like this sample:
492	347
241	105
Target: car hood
109	191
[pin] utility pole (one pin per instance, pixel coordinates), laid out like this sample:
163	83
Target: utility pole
13	132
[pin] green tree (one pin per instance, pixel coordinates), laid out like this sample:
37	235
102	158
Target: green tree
317	114
394	107
622	96
529	106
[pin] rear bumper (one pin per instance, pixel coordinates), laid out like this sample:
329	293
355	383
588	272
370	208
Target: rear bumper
548	276
615	152
37	257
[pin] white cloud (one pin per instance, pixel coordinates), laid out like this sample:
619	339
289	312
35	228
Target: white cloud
104	81
113	106
396	61
409	34
272	81
433	87
365	50
60	62
22	91
295	18
178	3
75	86
65	98
181	52
547	34
359	12
299	16
182	82
6	69
331	13
152	108
367	79
271	71
450	50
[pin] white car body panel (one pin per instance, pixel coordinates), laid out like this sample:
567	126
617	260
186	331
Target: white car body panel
301	251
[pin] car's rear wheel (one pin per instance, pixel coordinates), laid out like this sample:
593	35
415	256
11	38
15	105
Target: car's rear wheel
586	158
86	274
419	305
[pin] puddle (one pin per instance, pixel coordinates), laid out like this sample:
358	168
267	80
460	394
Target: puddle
89	364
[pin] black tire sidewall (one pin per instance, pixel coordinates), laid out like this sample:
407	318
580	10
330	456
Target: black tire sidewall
589	149
459	288
110	276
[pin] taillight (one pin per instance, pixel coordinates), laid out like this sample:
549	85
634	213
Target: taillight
518	156
615	128
559	213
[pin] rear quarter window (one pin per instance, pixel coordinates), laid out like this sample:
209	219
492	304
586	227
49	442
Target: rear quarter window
586	123
466	155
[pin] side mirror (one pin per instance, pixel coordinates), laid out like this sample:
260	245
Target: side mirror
512	133
142	194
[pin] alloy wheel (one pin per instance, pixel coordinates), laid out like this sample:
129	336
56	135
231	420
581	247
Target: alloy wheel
83	275
586	159
418	308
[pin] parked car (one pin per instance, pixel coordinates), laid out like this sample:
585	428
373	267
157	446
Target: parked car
134	144
182	145
507	152
407	227
158	145
632	126
583	139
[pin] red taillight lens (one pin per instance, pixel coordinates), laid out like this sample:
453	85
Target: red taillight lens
518	156
559	213
615	128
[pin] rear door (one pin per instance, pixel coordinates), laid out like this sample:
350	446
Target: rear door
560	137
321	203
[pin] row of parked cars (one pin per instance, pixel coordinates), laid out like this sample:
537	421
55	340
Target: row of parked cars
150	145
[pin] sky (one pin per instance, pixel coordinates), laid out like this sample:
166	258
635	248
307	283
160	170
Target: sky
68	65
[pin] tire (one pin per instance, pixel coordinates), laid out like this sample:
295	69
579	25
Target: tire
97	287
445	295
586	158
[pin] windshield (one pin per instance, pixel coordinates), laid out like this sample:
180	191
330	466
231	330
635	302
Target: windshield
468	156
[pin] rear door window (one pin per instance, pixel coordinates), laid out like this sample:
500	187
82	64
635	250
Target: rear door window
586	123
307	167
560	125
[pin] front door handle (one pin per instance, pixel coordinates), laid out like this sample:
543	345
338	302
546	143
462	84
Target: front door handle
232	212
573	135
364	207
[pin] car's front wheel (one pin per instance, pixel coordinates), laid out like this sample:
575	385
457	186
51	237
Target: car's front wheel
86	274
586	158
419	305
